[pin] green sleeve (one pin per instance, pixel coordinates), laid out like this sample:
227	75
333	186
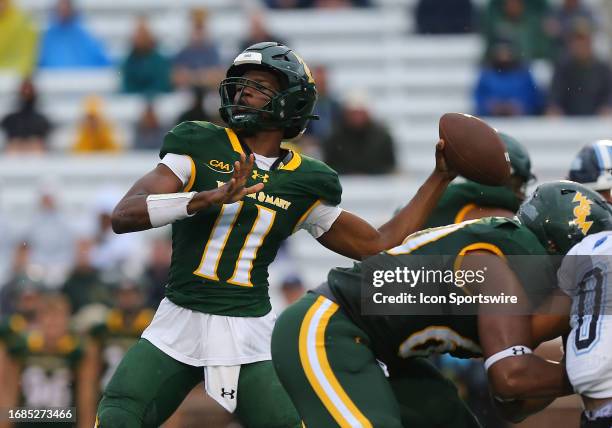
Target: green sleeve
331	190
321	181
187	138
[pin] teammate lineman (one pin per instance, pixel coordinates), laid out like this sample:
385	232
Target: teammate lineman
325	350
232	196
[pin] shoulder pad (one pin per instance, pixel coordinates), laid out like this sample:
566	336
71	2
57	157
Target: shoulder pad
183	138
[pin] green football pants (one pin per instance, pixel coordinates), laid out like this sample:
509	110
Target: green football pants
326	364
427	399
148	387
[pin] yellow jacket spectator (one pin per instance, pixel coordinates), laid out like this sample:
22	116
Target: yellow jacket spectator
95	133
18	39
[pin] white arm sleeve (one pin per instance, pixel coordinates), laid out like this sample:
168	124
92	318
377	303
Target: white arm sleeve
320	219
180	166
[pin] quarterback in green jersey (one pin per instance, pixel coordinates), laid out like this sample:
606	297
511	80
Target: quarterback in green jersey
233	195
469	200
325	349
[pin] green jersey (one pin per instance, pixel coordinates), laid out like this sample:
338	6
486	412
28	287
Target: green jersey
410	335
48	379
221	255
460	198
115	336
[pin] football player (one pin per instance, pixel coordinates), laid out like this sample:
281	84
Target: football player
592	167
469	200
46	366
462	201
585	276
233	195
314	338
120	330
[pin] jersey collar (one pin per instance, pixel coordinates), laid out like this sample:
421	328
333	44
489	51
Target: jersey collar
290	162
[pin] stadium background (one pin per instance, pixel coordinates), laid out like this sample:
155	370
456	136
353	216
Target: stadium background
376	59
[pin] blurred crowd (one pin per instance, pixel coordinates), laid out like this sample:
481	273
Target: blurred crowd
517	35
146	71
87	297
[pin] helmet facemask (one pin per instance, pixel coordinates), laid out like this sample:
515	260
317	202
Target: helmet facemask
288	110
242	117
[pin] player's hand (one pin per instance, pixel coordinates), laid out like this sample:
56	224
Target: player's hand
442	166
232	191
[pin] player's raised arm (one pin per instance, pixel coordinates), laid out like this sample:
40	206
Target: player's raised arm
353	237
156	199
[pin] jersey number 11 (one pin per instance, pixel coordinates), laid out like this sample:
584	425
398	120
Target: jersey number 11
252	242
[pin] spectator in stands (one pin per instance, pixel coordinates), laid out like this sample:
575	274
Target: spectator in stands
564	18
95	133
582	83
112	254
121	328
149	132
196	110
50	237
292	289
287	4
6	245
26	128
520	23
156	270
198	63
18	40
47	369
506	87
329	110
19	279
84	285
444	16
21	302
68	44
358	144
258	31
145	71
337	4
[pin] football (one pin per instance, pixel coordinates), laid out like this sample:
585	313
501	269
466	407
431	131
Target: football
474	149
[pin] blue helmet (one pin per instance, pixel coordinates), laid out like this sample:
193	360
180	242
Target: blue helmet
592	166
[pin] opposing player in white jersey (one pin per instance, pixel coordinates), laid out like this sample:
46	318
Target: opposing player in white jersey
586	276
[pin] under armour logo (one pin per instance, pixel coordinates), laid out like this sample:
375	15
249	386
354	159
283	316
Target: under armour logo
231	393
263	177
518	351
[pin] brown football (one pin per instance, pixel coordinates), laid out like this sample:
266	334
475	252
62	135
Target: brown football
474	149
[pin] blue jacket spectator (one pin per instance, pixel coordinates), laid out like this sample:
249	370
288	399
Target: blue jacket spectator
506	87
68	44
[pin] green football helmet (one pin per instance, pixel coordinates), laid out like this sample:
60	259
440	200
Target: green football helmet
561	213
519	157
290	109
